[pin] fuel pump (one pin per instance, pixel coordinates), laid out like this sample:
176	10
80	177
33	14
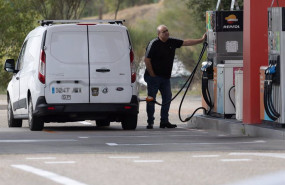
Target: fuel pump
224	57
274	87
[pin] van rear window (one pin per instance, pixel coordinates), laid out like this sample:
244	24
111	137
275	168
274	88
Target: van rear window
107	46
69	47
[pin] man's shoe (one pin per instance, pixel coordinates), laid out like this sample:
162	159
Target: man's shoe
149	127
167	125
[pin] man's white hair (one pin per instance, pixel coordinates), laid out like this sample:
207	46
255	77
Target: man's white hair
159	28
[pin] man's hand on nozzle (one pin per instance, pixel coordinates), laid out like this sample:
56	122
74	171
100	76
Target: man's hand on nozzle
149	99
204	37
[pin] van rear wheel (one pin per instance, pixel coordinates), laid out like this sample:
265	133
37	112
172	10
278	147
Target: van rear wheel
11	121
130	122
35	123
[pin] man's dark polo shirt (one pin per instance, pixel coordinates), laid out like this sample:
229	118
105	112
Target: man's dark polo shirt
162	55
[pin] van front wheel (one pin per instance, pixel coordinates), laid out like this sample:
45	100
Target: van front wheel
130	122
12	122
35	123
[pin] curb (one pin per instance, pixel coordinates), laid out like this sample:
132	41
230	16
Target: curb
236	128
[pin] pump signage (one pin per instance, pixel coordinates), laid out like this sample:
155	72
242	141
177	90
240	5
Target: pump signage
228	21
232	22
231	19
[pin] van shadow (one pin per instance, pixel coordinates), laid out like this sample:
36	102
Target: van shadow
81	128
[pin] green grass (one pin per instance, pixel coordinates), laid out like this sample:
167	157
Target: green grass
3	90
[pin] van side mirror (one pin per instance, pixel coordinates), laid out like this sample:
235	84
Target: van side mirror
10	65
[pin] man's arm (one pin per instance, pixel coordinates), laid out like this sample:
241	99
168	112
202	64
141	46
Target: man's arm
191	42
148	65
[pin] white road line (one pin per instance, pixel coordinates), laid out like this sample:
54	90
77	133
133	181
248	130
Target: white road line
268	179
60	162
147	136
83	137
184	136
157	144
222	135
85	123
40	158
36	141
235	160
148	161
49	175
111	144
201	156
275	155
203	131
179	131
124	157
188	135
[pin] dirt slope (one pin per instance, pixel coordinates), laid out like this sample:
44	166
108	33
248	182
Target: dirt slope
133	14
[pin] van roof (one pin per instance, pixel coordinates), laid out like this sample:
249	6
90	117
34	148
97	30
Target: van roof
89	21
45	24
102	27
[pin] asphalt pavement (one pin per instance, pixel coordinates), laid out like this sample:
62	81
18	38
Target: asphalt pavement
188	106
81	153
200	121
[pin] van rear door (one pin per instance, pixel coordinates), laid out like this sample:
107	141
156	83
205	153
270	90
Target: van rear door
67	69
110	72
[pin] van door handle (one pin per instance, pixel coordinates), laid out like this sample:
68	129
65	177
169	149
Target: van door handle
17	78
102	70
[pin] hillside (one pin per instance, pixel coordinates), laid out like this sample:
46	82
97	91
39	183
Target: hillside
133	14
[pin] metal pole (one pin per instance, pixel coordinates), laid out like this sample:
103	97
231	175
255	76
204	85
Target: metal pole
218	4
232	5
273	3
237	7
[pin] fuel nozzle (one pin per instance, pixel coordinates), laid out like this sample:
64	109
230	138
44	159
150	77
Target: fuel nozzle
149	99
206	65
271	69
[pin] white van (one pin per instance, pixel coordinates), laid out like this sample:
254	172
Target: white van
78	71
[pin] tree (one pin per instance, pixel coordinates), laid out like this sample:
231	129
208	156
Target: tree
199	7
182	24
140	38
117	7
17	20
99	7
59	9
121	4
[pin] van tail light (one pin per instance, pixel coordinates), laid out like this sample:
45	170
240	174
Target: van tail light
133	67
132	56
42	67
128	107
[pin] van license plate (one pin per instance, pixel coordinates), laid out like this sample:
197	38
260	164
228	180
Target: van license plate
66	97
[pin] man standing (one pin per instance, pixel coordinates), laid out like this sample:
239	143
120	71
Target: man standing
159	58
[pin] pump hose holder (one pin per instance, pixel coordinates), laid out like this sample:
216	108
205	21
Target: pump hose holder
267	98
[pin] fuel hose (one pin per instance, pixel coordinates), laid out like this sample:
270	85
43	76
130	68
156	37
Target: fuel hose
268	104
187	85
